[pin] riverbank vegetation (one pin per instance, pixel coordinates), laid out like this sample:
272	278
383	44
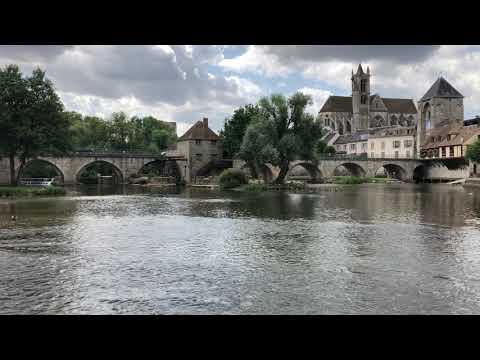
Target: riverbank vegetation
232	178
25	191
355	180
473	152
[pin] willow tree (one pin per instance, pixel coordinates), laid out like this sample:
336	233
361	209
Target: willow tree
281	133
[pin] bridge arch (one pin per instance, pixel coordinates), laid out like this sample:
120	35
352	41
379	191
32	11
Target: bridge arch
161	167
60	176
313	171
118	174
394	171
420	173
352	168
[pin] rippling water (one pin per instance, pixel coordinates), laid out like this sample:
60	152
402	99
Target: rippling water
381	249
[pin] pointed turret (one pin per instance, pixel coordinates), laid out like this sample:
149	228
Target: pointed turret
368	70
360	70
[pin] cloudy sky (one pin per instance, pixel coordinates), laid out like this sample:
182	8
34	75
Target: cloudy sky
185	83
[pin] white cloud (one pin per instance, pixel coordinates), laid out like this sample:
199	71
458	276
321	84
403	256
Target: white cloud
255	60
318	97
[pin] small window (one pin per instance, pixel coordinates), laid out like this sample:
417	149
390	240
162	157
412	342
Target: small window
396	144
444	152
198	142
408	143
396	154
372	145
452	152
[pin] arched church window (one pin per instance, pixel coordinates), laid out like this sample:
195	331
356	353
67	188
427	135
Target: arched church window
410	121
340	128
378	121
363	99
363	85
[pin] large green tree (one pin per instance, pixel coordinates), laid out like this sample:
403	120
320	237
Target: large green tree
282	132
235	128
31	117
473	152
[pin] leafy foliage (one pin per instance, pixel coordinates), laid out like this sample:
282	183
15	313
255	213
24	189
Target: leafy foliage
473	152
31	116
120	133
235	128
281	133
232	178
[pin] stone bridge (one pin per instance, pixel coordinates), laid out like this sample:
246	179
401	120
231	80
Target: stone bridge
402	169
70	166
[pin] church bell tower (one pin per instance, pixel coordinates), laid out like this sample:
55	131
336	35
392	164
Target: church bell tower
360	99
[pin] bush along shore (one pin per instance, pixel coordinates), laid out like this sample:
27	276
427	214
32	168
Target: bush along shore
234	181
26	191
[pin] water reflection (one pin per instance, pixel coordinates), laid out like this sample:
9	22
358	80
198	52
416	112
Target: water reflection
366	249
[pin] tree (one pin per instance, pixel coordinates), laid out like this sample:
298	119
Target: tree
322	148
235	128
473	152
119	131
281	133
89	132
31	117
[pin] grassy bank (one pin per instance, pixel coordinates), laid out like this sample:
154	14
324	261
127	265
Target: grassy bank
354	180
25	191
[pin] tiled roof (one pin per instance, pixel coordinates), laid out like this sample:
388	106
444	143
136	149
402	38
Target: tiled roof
460	134
403	106
441	88
338	104
361	135
199	131
344	104
329	137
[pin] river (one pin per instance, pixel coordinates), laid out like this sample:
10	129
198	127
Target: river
368	249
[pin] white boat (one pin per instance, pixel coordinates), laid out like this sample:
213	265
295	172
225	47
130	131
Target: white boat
37	181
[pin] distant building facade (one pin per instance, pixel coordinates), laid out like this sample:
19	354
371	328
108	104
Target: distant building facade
392	142
450	140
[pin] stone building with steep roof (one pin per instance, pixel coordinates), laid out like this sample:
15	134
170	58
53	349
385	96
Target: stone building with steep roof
442	105
200	145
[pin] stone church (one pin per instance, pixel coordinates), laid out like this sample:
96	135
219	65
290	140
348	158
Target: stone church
362	111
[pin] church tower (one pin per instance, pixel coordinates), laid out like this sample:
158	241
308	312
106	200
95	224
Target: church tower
360	98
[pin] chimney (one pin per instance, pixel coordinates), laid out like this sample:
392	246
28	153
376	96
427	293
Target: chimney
205	123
